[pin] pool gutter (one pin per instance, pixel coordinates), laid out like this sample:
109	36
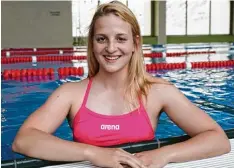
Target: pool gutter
130	147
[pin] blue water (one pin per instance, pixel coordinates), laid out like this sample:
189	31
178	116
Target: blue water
210	89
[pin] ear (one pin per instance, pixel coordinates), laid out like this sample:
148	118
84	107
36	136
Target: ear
136	42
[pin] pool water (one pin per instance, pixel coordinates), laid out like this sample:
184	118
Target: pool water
210	89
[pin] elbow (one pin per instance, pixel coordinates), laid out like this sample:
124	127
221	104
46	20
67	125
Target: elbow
14	147
17	145
224	143
20	143
226	146
221	144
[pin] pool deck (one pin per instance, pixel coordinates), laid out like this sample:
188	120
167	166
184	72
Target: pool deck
226	160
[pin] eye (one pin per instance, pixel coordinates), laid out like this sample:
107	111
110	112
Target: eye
100	39
121	39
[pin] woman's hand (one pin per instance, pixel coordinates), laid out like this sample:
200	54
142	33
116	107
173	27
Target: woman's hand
153	158
112	158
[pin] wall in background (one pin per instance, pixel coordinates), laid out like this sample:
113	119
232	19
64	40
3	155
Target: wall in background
36	24
49	24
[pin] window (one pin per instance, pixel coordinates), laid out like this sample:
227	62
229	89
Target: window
142	11
82	13
175	17
220	20
198	17
203	17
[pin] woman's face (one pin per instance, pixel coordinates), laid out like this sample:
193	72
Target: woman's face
113	44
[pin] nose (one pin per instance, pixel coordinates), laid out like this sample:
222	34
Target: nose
111	47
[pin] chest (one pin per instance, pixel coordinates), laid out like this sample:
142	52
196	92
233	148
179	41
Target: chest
109	103
96	129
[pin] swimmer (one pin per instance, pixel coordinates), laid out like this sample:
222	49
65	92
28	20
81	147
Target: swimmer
118	103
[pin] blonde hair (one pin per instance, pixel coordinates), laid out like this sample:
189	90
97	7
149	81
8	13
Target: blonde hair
138	83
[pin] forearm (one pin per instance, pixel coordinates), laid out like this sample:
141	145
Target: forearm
38	144
204	145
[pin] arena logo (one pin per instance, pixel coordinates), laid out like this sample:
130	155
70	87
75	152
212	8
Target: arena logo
110	127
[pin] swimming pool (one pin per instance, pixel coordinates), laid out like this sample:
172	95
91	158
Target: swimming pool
211	89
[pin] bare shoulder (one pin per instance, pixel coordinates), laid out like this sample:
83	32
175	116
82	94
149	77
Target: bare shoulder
69	91
164	90
158	89
159	84
76	91
72	87
157	80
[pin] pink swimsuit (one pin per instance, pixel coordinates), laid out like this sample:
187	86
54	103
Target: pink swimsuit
105	130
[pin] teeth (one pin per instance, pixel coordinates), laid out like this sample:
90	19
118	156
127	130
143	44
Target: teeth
112	58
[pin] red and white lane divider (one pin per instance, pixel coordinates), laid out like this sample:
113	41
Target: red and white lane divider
34	59
37	49
75	53
44	51
189	65
10	74
16	74
29	53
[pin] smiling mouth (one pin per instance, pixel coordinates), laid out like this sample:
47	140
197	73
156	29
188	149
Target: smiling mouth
112	58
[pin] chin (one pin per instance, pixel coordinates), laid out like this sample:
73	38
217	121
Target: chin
113	69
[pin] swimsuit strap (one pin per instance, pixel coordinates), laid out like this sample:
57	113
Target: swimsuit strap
87	91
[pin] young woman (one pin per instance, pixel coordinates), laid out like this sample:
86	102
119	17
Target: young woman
118	103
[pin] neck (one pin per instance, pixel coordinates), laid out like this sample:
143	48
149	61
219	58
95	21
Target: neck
113	81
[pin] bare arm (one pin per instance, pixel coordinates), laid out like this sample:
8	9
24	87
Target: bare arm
208	138
35	137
